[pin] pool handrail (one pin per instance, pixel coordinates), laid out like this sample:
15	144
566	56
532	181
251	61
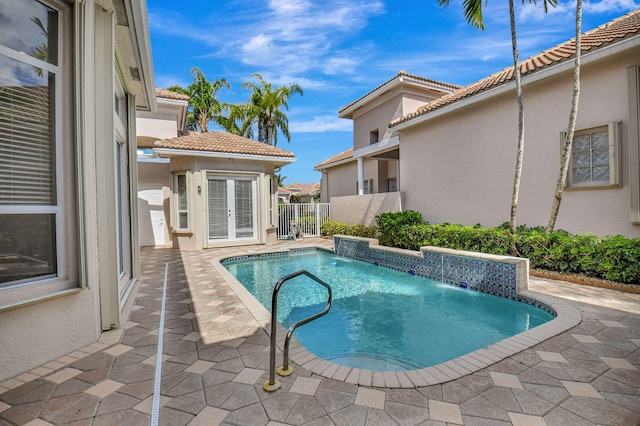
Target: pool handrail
272	384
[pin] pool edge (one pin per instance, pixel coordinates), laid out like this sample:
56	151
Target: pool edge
567	317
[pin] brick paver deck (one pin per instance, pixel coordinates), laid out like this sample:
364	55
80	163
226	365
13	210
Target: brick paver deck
215	360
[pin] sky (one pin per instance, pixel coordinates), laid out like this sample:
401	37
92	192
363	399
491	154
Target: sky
339	50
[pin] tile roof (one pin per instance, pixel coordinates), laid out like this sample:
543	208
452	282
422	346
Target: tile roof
620	28
168	94
301	188
222	142
344	155
401	74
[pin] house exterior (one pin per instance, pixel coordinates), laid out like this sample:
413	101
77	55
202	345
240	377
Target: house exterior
154	186
221	189
372	164
299	192
74	74
456	153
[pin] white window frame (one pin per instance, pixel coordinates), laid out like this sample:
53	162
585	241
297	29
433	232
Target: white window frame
175	208
66	279
615	157
368	185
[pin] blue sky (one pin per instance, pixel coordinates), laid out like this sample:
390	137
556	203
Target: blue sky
338	50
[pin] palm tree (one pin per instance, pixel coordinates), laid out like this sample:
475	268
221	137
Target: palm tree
473	15
264	109
568	141
203	105
280	179
238	121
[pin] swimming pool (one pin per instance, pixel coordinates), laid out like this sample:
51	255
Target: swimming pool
381	319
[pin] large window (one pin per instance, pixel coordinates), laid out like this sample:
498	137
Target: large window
595	157
36	192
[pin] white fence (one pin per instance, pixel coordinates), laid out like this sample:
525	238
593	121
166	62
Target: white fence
307	218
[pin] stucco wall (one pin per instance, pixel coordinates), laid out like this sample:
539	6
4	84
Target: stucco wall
33	335
153	203
376	118
362	209
199	167
152	127
459	168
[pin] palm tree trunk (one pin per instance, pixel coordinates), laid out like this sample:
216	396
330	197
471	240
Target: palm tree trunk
520	154
568	141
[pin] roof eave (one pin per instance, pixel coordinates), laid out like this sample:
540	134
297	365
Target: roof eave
170	152
348	111
587	58
333	164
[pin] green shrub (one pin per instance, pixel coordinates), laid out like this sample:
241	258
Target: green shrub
613	258
391	227
332	228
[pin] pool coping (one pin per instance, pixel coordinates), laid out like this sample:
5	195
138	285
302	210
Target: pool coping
567	317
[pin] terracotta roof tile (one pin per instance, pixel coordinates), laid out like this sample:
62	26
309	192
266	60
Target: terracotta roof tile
222	142
625	26
168	94
301	188
344	155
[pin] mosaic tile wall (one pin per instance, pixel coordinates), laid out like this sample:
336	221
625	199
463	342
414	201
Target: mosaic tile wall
484	275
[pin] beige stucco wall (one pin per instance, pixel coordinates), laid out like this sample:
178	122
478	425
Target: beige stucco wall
459	167
342	180
376	118
363	209
152	127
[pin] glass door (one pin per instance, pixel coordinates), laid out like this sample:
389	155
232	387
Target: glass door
232	208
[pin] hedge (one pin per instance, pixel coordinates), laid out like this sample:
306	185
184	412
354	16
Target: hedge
331	228
614	258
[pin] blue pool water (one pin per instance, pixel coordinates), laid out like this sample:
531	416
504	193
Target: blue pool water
382	319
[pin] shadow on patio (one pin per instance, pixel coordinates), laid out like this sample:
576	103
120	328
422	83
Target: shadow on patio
215	360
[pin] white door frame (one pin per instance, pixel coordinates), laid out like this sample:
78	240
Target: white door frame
231	199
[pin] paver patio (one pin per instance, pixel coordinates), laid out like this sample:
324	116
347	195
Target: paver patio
216	358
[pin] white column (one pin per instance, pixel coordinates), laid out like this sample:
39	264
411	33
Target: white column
360	175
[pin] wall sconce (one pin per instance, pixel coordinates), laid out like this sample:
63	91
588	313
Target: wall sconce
199	190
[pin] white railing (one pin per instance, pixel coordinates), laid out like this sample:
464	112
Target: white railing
307	218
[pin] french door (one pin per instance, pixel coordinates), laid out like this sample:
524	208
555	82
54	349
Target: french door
232	208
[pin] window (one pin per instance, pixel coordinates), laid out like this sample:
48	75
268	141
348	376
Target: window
181	202
595	157
374	137
392	185
37	193
368	185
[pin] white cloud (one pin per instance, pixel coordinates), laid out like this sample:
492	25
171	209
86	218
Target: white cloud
258	49
322	123
305	83
164	81
297	36
286	7
340	65
610	6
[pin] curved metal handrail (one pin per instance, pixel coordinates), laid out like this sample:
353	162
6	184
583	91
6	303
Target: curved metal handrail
272	384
